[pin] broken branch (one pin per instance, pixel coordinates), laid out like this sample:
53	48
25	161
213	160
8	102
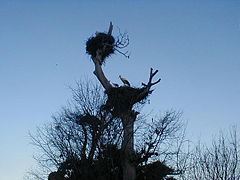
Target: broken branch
148	86
150	83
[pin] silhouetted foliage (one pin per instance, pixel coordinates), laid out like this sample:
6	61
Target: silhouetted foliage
95	139
153	171
84	142
106	166
219	161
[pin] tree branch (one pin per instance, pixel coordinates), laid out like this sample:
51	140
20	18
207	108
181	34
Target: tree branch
110	28
98	68
148	86
150	83
99	73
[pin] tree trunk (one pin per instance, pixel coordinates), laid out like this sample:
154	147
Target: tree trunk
129	169
99	73
128	118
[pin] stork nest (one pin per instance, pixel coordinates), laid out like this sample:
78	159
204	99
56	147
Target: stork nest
122	99
154	170
103	43
89	120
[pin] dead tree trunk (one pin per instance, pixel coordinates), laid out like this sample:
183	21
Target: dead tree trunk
129	169
128	116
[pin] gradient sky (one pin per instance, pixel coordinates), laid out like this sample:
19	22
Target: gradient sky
195	45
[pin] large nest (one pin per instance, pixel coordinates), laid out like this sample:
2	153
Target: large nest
103	43
123	98
88	120
155	170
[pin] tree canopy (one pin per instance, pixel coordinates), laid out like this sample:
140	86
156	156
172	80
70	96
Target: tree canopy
102	135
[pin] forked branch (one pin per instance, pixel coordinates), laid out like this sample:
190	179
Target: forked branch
150	83
147	87
121	43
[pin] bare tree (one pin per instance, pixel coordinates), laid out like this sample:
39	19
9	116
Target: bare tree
163	141
121	99
85	141
78	134
218	162
94	138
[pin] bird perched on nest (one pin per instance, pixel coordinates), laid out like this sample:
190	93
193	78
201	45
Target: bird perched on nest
125	81
115	85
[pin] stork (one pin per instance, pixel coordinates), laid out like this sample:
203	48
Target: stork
115	85
125	81
97	33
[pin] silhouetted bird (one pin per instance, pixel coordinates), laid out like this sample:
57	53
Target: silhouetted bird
116	85
125	81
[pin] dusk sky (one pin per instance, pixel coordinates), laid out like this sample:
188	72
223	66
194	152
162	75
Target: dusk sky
195	45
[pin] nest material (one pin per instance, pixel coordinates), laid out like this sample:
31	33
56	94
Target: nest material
106	165
102	42
155	170
122	99
89	120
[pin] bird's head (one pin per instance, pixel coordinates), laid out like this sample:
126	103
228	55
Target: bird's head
120	76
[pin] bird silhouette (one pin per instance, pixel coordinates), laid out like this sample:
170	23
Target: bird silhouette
115	84
125	81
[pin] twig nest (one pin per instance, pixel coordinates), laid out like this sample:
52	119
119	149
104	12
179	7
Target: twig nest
88	120
154	170
103	43
122	99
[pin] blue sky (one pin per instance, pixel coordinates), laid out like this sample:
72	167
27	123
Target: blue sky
195	45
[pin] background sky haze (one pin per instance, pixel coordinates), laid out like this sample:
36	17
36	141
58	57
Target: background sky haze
195	45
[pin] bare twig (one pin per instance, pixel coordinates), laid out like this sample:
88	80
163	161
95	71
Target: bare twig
125	54
121	43
150	83
110	28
